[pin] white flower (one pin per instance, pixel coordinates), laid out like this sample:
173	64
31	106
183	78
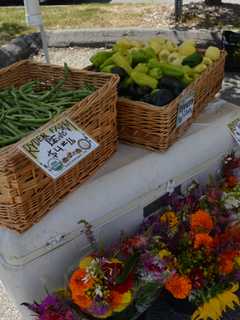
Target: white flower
230	202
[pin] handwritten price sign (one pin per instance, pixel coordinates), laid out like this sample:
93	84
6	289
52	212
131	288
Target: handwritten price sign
185	109
59	147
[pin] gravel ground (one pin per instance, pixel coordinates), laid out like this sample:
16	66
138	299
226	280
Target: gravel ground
7	309
74	57
79	58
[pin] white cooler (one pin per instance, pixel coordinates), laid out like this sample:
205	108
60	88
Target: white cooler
123	191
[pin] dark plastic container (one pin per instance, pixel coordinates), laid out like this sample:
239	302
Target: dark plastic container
231	43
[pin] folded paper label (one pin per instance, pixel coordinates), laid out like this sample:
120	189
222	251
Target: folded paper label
185	109
59	147
234	127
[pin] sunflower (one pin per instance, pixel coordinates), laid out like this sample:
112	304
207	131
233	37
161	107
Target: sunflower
170	218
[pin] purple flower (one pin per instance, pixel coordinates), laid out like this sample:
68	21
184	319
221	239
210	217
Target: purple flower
237	275
99	309
51	308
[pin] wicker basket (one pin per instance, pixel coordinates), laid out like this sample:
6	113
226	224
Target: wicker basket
155	127
26	192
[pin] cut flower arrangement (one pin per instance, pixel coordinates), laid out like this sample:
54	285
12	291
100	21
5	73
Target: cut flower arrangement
189	250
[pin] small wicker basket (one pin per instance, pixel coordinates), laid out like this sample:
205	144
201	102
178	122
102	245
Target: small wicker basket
155	127
26	192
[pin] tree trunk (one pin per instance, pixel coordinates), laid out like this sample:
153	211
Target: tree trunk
213	2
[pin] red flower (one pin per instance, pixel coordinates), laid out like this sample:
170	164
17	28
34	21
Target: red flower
51	315
126	285
197	278
231	181
131	244
226	261
214	195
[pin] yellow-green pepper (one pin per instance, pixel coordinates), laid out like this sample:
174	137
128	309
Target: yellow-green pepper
122	62
143	79
100	57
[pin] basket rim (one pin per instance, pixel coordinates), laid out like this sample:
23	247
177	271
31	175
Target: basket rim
36	63
111	80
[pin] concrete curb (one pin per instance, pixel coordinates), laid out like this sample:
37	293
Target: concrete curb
106	37
24	46
20	48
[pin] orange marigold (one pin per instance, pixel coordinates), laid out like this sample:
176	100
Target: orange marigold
83	301
226	261
78	286
203	240
179	286
116	298
201	221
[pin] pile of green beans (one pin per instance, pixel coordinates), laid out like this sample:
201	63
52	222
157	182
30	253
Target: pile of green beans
26	108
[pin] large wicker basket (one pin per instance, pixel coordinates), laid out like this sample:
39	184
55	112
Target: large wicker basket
155	127
26	192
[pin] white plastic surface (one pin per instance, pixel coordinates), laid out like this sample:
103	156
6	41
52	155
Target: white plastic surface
130	173
112	200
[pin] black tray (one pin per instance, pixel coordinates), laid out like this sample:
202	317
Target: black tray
231	43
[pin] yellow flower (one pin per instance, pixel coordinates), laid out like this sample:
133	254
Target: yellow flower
115	260
164	253
85	262
106	315
121	300
170	218
215	307
237	260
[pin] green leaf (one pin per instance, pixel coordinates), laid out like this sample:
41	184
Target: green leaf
147	293
128	268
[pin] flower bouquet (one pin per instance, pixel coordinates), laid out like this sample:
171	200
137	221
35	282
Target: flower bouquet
200	233
188	253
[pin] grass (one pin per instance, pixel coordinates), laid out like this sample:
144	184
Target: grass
106	15
10	30
12	20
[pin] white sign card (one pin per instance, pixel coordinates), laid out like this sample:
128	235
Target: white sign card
57	148
185	109
234	127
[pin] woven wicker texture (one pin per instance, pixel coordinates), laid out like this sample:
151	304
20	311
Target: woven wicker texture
26	192
155	127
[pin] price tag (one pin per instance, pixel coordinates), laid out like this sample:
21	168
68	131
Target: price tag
59	147
234	127
185	109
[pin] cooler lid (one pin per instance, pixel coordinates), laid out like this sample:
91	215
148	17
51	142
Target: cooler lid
129	174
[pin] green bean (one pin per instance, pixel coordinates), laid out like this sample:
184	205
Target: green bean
13	93
9	129
24	109
28	87
10	140
33	120
53	89
2	115
14	110
5	104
